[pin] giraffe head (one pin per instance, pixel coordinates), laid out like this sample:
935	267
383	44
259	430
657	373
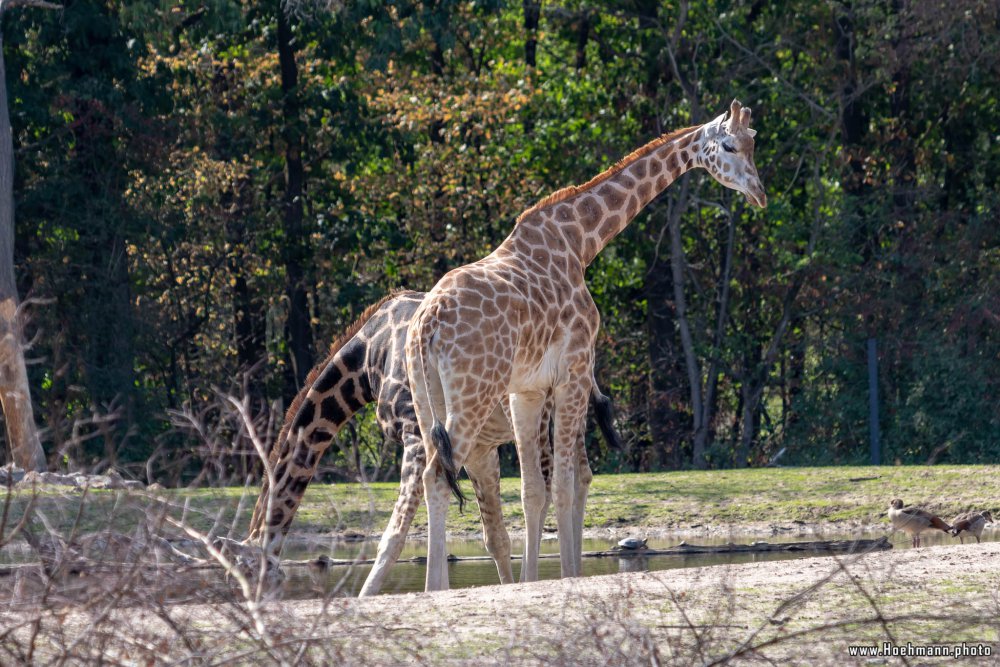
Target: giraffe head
728	153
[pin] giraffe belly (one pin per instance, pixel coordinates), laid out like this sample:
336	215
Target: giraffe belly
497	429
539	376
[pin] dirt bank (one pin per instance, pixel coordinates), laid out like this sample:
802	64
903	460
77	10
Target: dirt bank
799	612
942	594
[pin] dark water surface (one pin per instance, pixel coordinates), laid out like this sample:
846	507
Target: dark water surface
306	582
409	577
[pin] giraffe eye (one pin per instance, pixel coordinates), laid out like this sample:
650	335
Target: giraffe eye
728	147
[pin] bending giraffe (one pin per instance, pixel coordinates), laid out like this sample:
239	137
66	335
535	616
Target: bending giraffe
365	364
521	323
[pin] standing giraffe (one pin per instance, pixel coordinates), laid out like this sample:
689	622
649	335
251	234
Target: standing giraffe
366	363
521	323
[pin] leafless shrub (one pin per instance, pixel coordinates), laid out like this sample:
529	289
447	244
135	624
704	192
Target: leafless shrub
138	577
135	595
124	577
98	424
220	450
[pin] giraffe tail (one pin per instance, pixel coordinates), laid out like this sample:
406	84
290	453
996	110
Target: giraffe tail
439	434
442	442
605	415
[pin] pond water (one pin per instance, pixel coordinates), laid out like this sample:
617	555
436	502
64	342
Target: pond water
409	577
304	582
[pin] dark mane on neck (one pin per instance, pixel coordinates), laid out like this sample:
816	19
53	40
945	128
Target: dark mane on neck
573	190
314	374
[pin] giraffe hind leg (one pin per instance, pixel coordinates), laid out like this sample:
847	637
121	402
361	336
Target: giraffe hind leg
484	472
437	494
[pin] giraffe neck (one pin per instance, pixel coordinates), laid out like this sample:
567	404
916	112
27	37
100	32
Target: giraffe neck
366	362
333	393
588	217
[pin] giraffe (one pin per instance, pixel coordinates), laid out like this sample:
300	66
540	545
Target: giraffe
364	364
520	323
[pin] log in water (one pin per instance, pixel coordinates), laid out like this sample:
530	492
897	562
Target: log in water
682	549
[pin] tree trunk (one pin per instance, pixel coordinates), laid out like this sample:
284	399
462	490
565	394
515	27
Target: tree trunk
15	393
100	299
677	264
721	322
751	392
757	364
667	423
532	14
582	37
853	122
298	326
248	319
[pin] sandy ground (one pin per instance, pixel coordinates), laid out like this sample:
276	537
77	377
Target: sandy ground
944	594
800	612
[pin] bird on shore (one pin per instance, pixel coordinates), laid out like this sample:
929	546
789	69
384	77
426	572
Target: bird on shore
914	520
970	522
319	571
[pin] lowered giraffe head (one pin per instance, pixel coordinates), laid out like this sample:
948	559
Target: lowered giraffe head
728	153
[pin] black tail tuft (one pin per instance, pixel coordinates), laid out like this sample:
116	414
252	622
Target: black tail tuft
439	436
604	413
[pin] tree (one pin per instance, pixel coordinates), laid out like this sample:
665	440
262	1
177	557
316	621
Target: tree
15	391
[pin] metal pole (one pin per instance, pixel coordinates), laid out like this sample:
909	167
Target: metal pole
876	451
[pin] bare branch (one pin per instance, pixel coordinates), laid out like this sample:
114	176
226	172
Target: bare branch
813	104
14	4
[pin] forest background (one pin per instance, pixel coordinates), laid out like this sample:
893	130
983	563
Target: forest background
208	192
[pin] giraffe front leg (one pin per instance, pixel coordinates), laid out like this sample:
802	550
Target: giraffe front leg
570	413
526	414
411	489
484	472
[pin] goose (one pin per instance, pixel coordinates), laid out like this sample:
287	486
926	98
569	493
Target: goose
914	520
970	522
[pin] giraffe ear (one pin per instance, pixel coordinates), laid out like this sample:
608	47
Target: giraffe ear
752	133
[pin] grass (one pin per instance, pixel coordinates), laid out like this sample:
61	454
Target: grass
676	500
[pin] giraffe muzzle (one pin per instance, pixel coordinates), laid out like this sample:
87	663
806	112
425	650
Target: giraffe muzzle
757	197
